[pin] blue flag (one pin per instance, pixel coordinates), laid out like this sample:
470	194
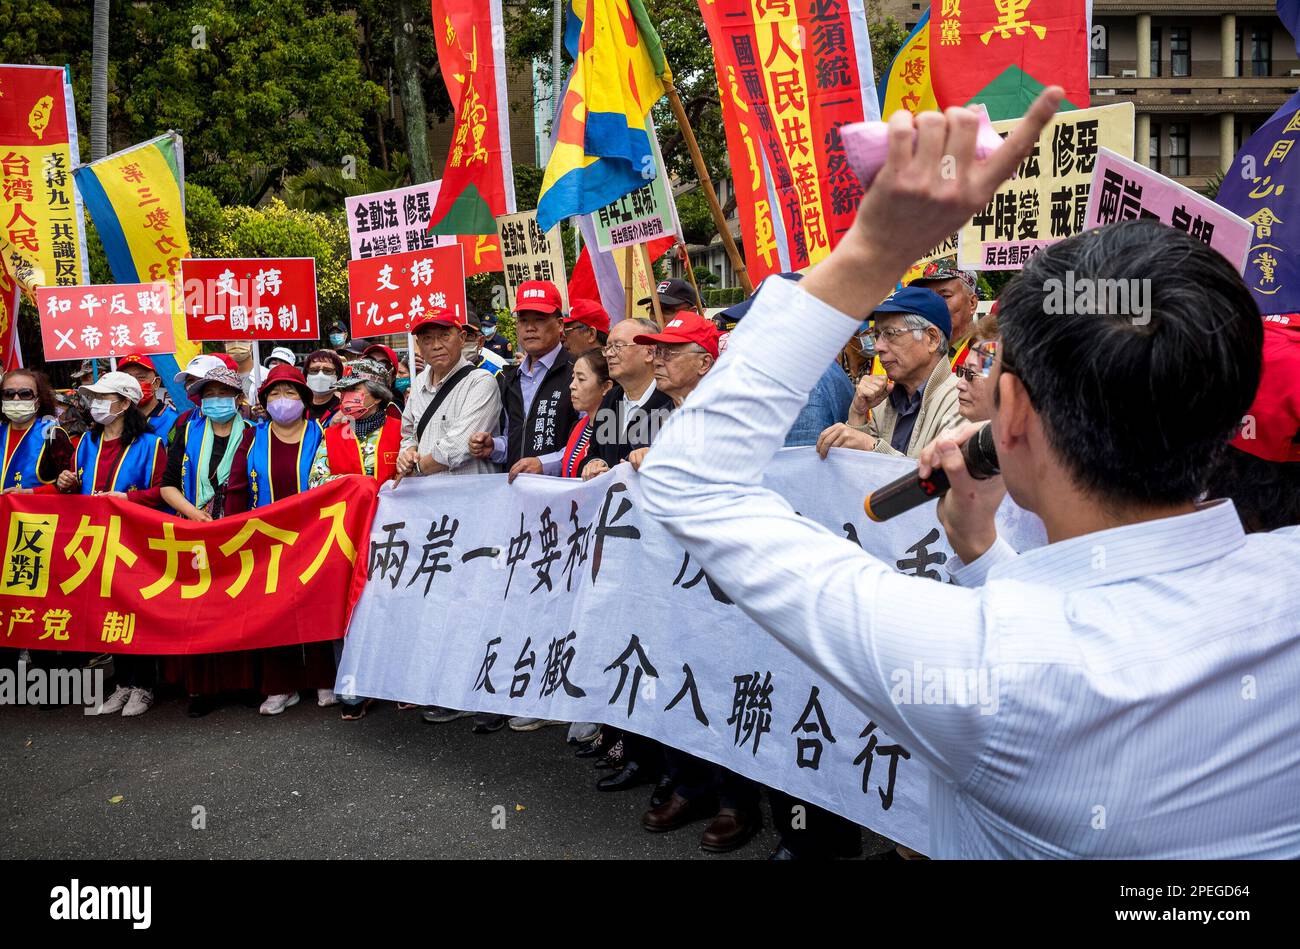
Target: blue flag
1288	11
1263	186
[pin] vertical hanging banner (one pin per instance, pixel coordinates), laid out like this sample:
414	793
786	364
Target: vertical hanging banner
102	322
1002	53
259	298
529	253
42	242
391	222
792	74
906	84
602	147
136	198
478	182
1047	201
643	215
390	294
1264	188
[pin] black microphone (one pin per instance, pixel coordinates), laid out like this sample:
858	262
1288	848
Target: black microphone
912	490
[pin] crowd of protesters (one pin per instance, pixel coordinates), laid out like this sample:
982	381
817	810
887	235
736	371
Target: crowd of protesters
582	397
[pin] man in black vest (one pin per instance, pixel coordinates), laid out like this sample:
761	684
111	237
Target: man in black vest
632	411
537	413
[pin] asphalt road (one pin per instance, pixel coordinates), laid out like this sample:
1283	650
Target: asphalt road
306	784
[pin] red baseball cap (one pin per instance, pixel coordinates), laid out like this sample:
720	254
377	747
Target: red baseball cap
538	296
438	316
588	313
228	360
685	327
382	350
135	359
1272	428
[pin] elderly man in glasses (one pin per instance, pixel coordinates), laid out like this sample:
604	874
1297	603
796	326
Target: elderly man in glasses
904	410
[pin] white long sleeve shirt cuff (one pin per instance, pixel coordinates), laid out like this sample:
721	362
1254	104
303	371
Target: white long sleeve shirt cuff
976	573
498	449
551	463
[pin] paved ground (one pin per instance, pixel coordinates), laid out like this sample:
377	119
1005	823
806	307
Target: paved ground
306	784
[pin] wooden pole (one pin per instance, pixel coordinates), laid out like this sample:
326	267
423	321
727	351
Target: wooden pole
690	275
706	183
644	251
629	280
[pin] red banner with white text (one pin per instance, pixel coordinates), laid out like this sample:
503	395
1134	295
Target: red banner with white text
99	574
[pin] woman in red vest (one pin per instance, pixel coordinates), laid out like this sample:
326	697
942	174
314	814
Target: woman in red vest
589	384
366	442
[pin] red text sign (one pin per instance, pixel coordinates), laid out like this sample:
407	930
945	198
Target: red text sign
98	322
270	298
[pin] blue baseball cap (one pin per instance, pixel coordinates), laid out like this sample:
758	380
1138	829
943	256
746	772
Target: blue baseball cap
734	313
924	303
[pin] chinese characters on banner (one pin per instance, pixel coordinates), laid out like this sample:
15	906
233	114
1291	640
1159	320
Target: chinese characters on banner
41	235
528	253
250	298
1263	187
478	181
790	74
1002	52
642	215
906	84
104	575
624	627
1047	201
389	294
105	321
1123	190
392	222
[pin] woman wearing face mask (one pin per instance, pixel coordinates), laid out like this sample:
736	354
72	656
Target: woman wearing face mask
119	457
199	466
323	370
36	448
276	466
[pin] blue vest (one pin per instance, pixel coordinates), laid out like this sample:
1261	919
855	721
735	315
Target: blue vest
259	461
161	424
22	468
134	469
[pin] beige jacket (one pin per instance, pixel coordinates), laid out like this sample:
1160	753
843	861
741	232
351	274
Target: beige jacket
938	412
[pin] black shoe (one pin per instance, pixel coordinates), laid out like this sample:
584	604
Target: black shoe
629	776
201	705
662	792
487	724
592	749
782	852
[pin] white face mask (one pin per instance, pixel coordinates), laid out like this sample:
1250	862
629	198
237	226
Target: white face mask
320	382
20	410
101	410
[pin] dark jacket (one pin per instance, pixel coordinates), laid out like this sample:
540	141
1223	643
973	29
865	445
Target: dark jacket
641	425
551	417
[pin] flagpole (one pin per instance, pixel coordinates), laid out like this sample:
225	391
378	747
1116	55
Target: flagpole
628	282
644	251
690	274
706	183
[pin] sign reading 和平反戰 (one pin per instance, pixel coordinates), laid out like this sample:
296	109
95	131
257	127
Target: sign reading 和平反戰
104	321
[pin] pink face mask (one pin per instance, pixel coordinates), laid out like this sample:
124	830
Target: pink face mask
353	405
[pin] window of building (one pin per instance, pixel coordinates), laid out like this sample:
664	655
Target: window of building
1180	136
1180	51
1261	51
1099	63
1156	39
1153	154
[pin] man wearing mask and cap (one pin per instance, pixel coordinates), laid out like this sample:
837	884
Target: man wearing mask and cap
960	291
338	337
906	409
494	342
586	327
675	295
473	348
154	403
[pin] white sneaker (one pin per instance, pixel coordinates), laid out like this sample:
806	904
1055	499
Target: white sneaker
115	703
275	704
522	724
326	697
582	732
141	701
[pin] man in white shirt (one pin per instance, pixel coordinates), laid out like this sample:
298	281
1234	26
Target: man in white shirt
1145	661
632	411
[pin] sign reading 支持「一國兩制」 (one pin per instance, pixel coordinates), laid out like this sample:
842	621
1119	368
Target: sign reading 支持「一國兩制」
559	599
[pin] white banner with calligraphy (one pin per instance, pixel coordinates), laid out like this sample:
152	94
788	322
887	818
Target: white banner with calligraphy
560	599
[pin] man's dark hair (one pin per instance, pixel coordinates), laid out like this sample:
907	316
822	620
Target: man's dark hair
1139	405
1265	493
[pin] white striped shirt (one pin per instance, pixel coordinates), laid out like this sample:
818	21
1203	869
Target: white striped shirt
1144	678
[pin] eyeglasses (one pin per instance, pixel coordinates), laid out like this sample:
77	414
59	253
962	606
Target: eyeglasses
613	349
574	327
967	373
23	394
987	354
665	353
890	334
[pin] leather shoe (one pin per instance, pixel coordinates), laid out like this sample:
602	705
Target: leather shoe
592	749
629	776
782	852
662	792
678	812
730	830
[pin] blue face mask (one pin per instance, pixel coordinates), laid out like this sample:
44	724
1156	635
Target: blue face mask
219	408
489	330
403	383
337	339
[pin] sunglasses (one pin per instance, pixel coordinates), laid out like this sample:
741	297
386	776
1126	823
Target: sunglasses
23	394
